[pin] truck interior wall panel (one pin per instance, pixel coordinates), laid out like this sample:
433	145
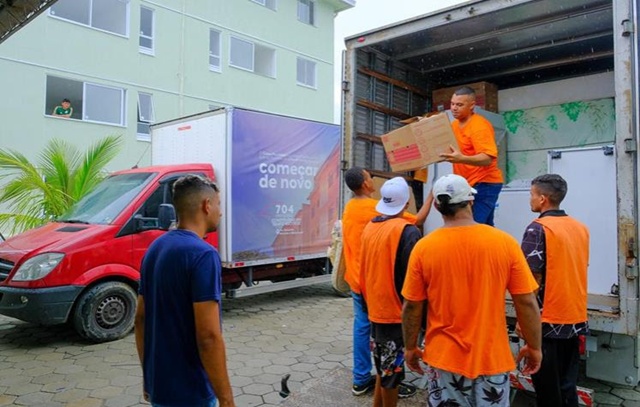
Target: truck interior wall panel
364	86
395	124
379	158
401	100
533	132
362	58
362	153
418	105
588	87
399	73
381	92
379	64
363	120
379	123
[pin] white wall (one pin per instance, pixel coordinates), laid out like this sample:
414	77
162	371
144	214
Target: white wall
554	93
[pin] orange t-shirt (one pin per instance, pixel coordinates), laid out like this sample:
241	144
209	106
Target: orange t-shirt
565	289
477	136
357	213
463	273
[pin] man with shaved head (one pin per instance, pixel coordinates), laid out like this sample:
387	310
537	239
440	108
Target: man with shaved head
178	320
476	158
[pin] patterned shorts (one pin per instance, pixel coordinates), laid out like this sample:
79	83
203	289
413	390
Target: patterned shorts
388	357
449	389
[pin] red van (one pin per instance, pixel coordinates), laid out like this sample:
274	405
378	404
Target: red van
84	268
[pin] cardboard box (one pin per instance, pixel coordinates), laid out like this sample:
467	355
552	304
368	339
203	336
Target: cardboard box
486	96
419	144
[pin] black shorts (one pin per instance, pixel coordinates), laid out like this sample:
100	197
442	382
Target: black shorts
388	353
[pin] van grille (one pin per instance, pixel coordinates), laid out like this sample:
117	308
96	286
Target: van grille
5	269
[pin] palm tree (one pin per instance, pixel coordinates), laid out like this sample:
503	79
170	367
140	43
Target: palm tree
37	194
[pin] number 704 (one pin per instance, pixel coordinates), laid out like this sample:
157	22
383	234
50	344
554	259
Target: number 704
284	209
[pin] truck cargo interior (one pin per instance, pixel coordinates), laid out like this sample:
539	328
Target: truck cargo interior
511	44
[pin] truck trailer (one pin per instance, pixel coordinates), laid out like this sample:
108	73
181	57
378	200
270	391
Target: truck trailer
564	77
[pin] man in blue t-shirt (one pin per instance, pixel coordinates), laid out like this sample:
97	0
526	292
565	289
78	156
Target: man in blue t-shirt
178	321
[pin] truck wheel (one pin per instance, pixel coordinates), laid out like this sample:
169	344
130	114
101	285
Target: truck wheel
105	312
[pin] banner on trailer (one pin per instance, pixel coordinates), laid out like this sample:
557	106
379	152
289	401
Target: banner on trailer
285	185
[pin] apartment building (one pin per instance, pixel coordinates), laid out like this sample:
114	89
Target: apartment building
125	64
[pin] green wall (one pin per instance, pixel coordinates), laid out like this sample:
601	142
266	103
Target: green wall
177	76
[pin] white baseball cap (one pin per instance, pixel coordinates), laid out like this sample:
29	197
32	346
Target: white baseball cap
454	186
395	195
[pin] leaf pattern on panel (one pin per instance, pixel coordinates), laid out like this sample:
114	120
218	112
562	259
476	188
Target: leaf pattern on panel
512	120
603	117
512	170
573	109
526	122
532	132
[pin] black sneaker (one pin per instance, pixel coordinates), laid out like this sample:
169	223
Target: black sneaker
406	390
359	390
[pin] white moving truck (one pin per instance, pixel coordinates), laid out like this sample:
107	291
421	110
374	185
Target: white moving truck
279	201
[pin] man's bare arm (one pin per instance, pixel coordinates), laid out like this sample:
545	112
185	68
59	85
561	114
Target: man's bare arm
422	214
455	156
139	328
528	315
139	334
212	350
411	324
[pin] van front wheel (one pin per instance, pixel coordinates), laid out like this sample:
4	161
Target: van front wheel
105	312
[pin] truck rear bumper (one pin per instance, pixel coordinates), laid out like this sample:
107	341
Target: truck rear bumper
46	306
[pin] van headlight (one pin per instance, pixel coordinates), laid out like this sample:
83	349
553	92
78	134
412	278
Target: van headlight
38	267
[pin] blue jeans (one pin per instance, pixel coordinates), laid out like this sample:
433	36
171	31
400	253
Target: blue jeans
361	349
484	204
210	403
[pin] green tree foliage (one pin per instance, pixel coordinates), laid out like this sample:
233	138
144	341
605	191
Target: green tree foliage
37	193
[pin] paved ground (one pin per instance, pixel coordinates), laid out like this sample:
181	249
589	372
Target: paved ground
304	332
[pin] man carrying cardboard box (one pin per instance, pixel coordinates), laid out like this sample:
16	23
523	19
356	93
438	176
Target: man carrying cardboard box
477	156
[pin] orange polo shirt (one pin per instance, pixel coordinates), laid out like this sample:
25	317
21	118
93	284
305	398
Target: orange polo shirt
463	273
357	213
477	136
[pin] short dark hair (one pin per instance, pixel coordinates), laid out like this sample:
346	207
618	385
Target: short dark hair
187	189
354	178
553	186
449	209
465	90
66	100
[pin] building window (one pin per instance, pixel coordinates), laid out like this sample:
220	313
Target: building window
145	115
267	3
306	11
90	101
214	50
253	57
107	15
147	25
306	72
